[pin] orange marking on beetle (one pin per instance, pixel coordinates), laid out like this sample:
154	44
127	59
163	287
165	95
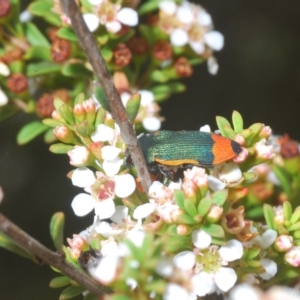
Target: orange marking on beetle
222	149
176	162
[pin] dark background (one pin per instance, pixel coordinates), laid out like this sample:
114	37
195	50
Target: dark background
259	76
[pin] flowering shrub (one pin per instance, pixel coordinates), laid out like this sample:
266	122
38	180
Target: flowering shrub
228	227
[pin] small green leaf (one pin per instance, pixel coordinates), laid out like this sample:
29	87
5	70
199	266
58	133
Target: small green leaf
253	252
214	230
17	66
175	244
90	296
132	106
172	230
66	113
179	198
11	246
56	230
42	68
148	7
219	197
172	87
237	121
159	76
295	226
147	244
51	122
229	132
67	33
38	52
287	210
75	70
30	131
107	54
49	136
190	207
284	179
101	97
295	216
204	205
59	281
156	286
71	291
185	219
60	148
269	215
100	116
255	212
44	9
119	297
255	130
79	99
221	122
34	36
249	176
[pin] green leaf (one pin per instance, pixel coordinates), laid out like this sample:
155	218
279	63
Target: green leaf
17	66
79	99
34	36
38	52
255	130
179	198
11	246
204	205
66	112
59	281
156	286
173	87
49	136
190	207
75	70
159	76
284	179
100	116
255	212
295	216
107	54
44	9
41	68
90	296
60	148
172	230
269	215
249	176
237	122
253	252
185	219
30	131
132	106
175	244
148	7
101	97
51	122
229	132
147	244
67	33
71	291
287	210
295	226
221	122
219	197
214	230
56	230
119	297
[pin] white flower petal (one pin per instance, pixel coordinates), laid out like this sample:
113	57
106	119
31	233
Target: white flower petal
205	128
137	237
82	204
106	270
91	21
25	16
128	16
120	214
113	27
198	46
204	18
184	13
151	123
214	39
215	184
102	134
125	97
147	97
203	284
175	292
232	250
168	7
201	239
179	37
110	152
268	238
212	65
105	209
185	260
270	267
245	292
225	279
143	211
112	167
95	2
125	185
4	69
230	173
3	98
164	267
83	177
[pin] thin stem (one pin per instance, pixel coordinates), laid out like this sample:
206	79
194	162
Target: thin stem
49	257
118	112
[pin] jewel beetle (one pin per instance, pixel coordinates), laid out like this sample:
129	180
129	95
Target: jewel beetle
179	149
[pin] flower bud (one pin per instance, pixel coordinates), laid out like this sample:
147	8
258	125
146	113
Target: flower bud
44	106
60	50
90	109
138	45
183	68
214	214
79	113
182	229
64	134
96	150
162	50
292	257
283	243
121	55
17	83
80	156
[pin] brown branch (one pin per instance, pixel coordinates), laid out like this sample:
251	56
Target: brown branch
89	46
49	257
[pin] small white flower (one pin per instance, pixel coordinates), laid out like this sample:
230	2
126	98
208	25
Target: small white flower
4	69
151	123
3	98
102	134
147	97
175	292
167	6
179	37
201	239
143	211
212	65
230	173
25	16
92	21
79	156
214	39
185	260
83	177
270	267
